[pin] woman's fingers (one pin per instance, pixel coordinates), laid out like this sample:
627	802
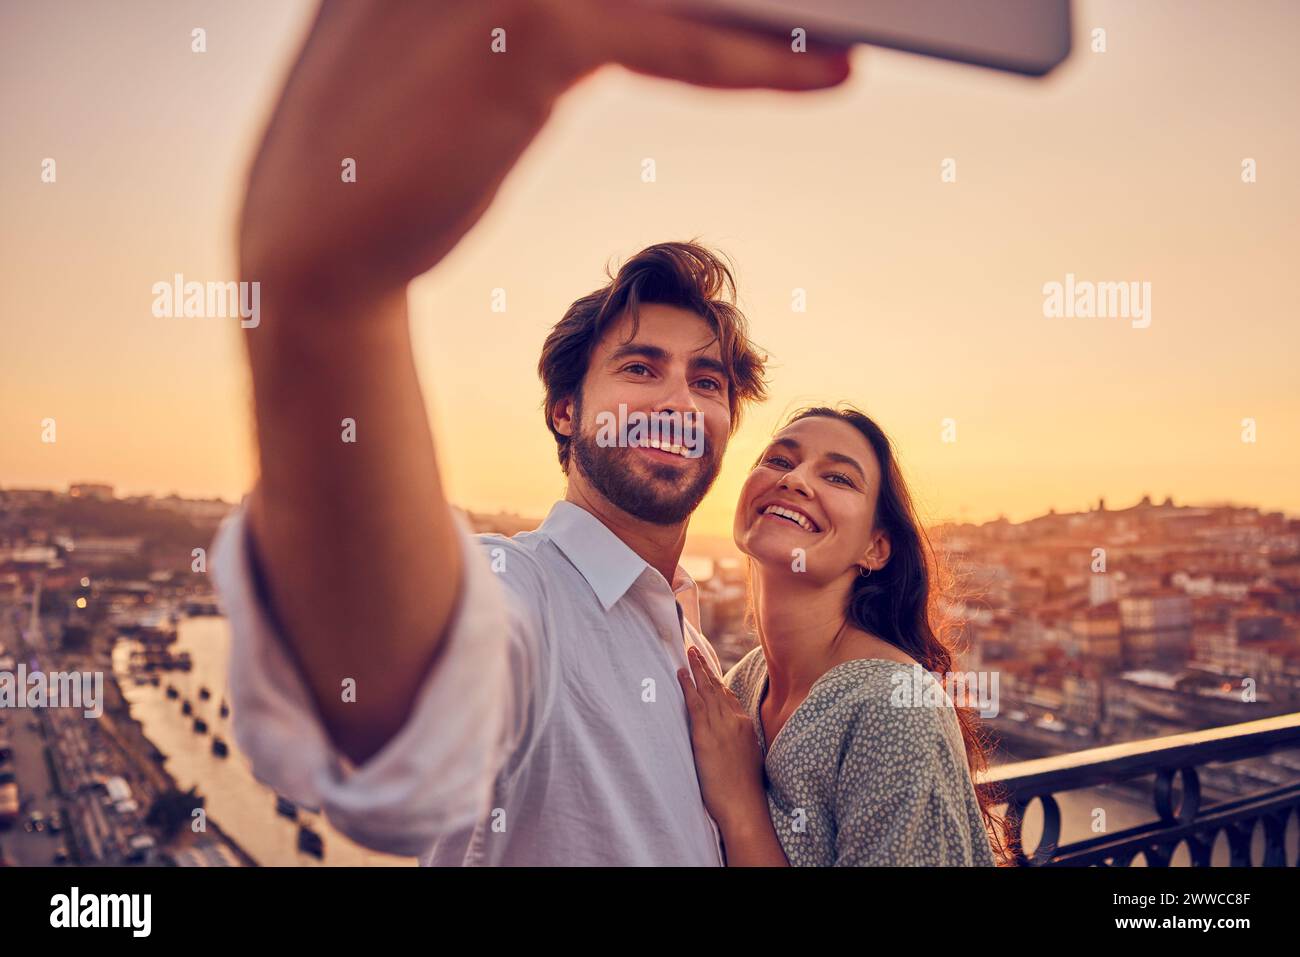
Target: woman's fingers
700	668
711	692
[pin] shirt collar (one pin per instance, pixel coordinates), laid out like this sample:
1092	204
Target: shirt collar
605	561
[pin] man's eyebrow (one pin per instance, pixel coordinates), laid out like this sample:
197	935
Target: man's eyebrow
789	443
642	349
659	354
710	363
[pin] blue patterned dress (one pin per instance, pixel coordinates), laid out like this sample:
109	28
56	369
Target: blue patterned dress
860	775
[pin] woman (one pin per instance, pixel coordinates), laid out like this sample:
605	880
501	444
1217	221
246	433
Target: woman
817	751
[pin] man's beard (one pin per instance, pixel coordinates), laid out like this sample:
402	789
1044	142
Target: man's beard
659	500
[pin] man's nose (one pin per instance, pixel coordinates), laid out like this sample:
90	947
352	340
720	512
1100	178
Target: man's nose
679	398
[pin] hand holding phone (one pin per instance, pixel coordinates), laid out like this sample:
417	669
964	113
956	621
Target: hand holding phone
1022	36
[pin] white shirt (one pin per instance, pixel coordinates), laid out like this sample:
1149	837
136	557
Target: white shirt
552	729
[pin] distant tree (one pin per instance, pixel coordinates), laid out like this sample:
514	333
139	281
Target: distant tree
171	813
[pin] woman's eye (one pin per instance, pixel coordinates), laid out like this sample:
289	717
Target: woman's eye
841	477
777	460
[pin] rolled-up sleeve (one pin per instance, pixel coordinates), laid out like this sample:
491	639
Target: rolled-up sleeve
435	775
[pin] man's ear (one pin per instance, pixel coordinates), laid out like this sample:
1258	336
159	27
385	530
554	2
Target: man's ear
562	416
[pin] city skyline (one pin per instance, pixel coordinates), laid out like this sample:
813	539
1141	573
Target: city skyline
924	298
505	509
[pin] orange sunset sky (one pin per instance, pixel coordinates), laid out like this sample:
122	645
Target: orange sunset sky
924	298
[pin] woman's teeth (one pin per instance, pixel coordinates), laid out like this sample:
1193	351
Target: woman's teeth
801	520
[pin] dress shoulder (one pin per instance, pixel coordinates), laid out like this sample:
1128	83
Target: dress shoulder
903	788
888	703
745	674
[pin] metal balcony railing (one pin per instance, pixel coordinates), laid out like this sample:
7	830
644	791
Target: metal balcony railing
1180	818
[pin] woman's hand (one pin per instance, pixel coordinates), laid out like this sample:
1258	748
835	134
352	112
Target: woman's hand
728	758
729	763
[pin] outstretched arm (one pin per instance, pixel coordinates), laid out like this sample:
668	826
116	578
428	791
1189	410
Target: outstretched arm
355	538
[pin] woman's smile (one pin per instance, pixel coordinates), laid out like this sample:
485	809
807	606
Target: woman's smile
790	515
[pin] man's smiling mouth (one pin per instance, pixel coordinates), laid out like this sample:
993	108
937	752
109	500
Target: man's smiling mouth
665	449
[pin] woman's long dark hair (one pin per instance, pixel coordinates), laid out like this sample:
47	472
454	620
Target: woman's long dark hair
897	603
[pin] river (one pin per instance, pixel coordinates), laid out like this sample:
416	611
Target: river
244	808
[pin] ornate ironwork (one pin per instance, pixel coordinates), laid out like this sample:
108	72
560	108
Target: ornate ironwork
1180	818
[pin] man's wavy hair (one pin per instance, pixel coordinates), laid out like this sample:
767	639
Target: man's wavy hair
683	274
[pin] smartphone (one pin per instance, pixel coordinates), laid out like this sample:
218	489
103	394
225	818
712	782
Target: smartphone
1023	36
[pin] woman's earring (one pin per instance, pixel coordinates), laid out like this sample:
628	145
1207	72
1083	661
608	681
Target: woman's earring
867	575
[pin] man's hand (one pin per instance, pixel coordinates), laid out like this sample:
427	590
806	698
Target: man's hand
413	92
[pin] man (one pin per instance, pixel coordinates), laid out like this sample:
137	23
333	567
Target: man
511	701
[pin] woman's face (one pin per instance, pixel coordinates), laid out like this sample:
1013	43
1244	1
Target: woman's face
823	472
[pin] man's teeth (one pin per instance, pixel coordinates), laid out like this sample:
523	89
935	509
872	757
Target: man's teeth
794	516
667	447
